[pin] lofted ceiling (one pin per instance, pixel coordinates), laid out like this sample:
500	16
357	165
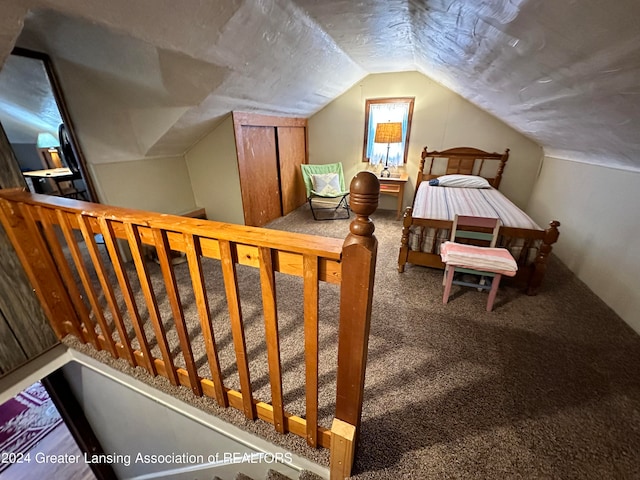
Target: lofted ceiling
564	73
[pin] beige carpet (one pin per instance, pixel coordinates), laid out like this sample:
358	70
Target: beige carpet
542	387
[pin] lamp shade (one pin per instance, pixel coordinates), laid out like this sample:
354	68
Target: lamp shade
46	140
390	132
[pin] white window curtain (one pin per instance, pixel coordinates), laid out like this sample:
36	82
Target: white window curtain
382	113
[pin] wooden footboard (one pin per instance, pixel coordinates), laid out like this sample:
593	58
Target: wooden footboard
530	273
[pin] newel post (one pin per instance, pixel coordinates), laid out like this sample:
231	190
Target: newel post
356	295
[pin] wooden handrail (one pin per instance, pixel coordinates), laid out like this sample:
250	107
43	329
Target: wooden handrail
78	293
301	243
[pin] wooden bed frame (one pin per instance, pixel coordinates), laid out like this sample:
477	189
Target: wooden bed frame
471	161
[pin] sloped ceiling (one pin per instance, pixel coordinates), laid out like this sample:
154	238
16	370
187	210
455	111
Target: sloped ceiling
565	73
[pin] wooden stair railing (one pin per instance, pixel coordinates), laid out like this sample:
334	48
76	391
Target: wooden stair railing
85	305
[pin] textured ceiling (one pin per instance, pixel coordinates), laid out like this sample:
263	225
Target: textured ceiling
565	73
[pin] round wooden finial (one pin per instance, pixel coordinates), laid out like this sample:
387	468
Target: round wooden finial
363	200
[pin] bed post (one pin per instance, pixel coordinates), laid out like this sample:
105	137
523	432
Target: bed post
551	235
403	256
503	162
359	253
423	158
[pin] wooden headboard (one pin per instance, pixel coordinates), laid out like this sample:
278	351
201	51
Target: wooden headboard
464	161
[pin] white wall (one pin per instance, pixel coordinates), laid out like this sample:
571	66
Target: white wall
131	418
599	211
441	119
213	170
155	184
117	123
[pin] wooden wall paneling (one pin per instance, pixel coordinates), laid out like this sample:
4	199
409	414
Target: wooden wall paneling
10	174
259	183
18	303
292	152
11	354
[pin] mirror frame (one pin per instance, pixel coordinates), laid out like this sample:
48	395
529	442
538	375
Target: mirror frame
64	113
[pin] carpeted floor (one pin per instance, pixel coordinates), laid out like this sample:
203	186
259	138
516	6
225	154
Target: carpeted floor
542	387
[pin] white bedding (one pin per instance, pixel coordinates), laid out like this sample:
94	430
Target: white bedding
445	202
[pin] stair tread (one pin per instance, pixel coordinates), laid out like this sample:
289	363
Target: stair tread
242	476
307	475
274	475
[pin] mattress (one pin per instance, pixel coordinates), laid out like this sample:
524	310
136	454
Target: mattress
443	203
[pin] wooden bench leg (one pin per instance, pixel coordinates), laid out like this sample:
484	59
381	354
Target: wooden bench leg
447	286
493	292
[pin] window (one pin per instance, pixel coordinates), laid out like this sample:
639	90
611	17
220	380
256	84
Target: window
382	110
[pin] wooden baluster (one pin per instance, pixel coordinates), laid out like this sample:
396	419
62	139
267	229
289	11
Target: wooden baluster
194	253
40	268
356	295
268	284
171	285
311	298
85	278
135	245
125	286
45	217
228	260
98	264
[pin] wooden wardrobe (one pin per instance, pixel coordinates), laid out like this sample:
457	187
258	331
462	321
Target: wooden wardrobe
270	151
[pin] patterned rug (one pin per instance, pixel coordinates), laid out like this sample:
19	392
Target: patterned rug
25	420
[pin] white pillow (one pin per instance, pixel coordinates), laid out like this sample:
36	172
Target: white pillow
463	181
326	184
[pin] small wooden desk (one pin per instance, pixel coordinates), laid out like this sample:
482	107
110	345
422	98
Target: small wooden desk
56	174
394	186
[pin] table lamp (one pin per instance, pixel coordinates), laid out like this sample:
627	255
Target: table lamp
390	132
50	144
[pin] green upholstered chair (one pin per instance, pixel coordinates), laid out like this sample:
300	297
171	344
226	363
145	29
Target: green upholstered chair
326	191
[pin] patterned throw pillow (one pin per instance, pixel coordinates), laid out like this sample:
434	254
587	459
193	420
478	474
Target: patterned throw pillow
326	184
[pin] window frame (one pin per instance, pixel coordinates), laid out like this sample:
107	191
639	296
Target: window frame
395	100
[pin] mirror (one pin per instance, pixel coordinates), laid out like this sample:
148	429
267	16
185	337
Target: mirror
39	129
